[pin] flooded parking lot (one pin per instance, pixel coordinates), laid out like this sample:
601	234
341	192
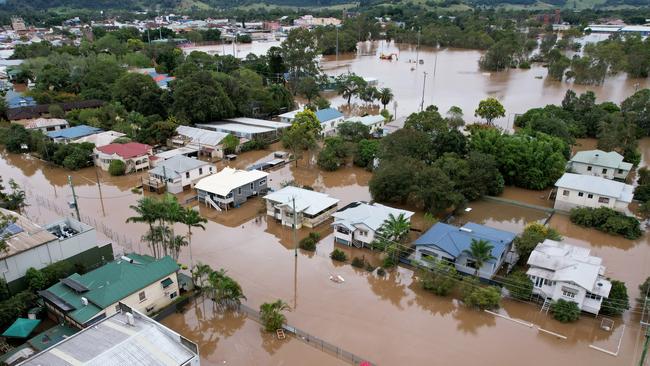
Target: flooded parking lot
389	319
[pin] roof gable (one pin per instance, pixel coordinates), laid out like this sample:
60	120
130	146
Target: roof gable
455	240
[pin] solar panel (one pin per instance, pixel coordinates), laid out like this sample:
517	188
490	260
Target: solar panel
59	302
11	229
75	285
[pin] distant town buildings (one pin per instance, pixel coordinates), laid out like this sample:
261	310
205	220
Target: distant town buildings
43	124
307	21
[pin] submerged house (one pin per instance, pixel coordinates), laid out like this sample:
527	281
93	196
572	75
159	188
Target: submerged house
311	208
139	281
134	155
451	243
562	271
72	134
357	223
178	173
576	190
43	124
207	143
374	122
329	119
231	187
609	165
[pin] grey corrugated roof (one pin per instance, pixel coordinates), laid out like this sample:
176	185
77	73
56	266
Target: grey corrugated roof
373	216
201	136
600	186
610	159
174	167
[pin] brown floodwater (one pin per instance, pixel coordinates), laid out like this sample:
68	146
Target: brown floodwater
229	338
454	78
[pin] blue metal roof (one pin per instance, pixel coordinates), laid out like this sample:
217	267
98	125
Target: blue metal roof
328	114
455	240
74	132
16	100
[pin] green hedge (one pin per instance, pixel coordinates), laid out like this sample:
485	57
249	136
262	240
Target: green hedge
607	220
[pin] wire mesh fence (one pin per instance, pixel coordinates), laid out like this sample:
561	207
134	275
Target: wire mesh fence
313	341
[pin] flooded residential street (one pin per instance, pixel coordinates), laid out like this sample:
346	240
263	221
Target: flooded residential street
389	320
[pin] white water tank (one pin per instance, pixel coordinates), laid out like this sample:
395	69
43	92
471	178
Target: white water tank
130	320
84	301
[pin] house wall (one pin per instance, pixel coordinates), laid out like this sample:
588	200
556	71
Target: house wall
14	267
554	290
357	235
424	255
103	161
329	127
566	203
238	197
312	222
597	170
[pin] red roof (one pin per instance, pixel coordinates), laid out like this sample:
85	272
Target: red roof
126	151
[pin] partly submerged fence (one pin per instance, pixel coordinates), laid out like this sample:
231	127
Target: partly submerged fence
313	341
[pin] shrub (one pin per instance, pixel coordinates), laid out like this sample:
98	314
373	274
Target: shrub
56	271
440	280
307	244
381	272
642	192
389	262
370	267
533	234
15	307
607	220
483	298
328	160
35	279
338	255
358	262
117	167
524	65
271	315
519	285
565	311
253	145
618	300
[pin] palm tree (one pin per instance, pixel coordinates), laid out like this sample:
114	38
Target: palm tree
200	274
271	314
395	228
481	252
225	292
176	243
385	96
147	212
171	213
192	218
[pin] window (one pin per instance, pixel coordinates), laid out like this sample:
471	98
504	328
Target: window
187	174
142	296
262	182
363	233
580	194
620	171
428	256
588	168
590	196
471	264
210	169
589	295
538	281
568	294
604	171
239	190
565	193
252	186
200	171
603	199
173	295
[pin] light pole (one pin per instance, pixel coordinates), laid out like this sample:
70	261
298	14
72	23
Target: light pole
424	83
337	46
74	197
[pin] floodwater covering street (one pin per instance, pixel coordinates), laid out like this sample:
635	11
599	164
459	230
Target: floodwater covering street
389	320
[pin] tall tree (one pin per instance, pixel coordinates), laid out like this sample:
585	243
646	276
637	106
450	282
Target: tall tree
303	134
350	85
385	96
146	212
489	109
192	219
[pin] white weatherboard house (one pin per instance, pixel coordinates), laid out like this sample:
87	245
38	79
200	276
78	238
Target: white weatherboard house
575	190
562	271
357	223
599	163
179	173
231	187
312	208
374	122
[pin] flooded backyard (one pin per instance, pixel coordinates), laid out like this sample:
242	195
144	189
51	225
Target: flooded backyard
389	320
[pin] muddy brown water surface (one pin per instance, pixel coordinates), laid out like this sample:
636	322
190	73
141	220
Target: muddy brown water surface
389	320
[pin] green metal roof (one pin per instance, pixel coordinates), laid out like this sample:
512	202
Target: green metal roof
111	283
51	337
21	328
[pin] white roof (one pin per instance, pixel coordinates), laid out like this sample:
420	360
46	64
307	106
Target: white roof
368	120
307	201
101	138
201	136
610	159
228	179
597	185
291	114
177	165
236	128
372	216
260	122
42	122
636	28
569	263
171	153
112	342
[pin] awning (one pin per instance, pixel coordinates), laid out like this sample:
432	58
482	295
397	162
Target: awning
21	328
166	282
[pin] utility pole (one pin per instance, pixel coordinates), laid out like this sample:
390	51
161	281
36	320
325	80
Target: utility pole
165	176
645	347
417	51
99	187
423	86
295	240
74	197
337	46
